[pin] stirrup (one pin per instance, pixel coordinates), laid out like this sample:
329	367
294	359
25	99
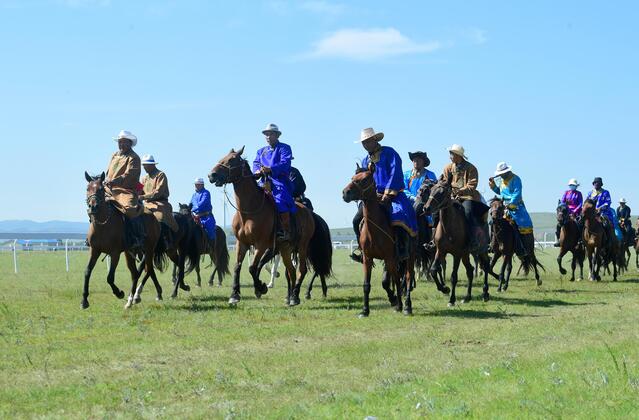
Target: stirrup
357	257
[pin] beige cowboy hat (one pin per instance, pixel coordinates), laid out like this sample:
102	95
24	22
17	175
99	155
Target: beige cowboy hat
573	181
622	201
124	134
148	160
458	150
271	128
369	133
502	168
199	181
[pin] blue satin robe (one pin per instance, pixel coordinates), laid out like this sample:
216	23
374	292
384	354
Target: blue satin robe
511	192
279	160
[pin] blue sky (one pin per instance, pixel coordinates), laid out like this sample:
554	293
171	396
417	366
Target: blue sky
550	87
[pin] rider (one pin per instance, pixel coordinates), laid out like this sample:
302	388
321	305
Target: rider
573	200
414	178
299	188
463	177
202	209
122	179
156	198
603	201
275	160
509	188
623	215
390	188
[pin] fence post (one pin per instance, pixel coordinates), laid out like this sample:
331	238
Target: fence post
15	256
66	253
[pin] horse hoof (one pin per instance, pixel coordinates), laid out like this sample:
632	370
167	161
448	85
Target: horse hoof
294	301
158	298
270	285
467	299
234	300
539	282
264	288
137	300
451	304
499	290
486	297
572	279
174	295
185	287
393	301
308	296
119	294
408	311
84	304
363	314
446	290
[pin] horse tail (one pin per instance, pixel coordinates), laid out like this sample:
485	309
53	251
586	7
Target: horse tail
221	253
530	261
320	248
159	254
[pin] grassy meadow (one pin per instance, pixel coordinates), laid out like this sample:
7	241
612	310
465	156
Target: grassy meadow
560	350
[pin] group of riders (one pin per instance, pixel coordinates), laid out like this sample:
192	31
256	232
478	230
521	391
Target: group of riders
397	191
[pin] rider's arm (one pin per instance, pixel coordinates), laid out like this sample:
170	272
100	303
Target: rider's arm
471	182
160	189
394	165
257	164
131	176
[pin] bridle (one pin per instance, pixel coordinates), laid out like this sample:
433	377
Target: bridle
99	198
230	170
439	203
363	189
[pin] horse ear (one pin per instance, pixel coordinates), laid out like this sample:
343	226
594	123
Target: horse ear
88	177
371	167
102	176
190	206
239	152
232	150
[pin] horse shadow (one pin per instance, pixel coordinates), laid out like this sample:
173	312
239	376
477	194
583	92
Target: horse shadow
475	314
540	303
349	303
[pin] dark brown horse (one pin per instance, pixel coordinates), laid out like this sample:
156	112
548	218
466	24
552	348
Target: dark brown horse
377	241
570	241
106	235
254	224
597	241
451	237
217	250
503	244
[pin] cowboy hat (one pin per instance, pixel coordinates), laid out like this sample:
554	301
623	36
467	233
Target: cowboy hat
422	155
622	201
271	128
124	134
502	168
598	179
199	181
458	150
369	133
574	182
148	160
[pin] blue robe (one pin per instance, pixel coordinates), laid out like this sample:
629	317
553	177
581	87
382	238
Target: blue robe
389	179
279	160
412	185
602	203
201	201
510	191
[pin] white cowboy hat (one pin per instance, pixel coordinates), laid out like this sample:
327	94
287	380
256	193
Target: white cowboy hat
622	201
502	168
148	160
574	182
369	133
124	134
458	150
271	128
199	181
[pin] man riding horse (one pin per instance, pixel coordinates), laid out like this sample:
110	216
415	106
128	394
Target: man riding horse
509	188
414	178
299	188
274	161
122	179
623	215
389	182
464	177
602	201
156	198
201	209
573	200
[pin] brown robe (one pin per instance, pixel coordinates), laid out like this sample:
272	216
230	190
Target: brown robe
124	174
464	179
156	198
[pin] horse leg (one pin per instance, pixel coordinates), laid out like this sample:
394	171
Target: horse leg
470	273
562	270
254	270
310	286
324	286
137	297
591	274
87	275
290	277
409	273
302	270
597	263
508	262
388	287
135	275
368	268
453	281
197	273
275	265
174	276
115	258
502	274
573	265
241	250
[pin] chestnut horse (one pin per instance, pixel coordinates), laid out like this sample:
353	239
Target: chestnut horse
106	235
570	241
599	242
376	240
254	224
451	237
503	235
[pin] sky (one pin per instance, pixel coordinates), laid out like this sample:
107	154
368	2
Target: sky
549	87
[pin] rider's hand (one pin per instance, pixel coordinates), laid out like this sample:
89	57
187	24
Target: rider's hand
386	198
491	182
512	206
265	170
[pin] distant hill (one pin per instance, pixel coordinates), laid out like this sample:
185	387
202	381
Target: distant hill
53	226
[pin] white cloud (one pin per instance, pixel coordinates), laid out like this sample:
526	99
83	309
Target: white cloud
477	36
368	44
323	7
85	3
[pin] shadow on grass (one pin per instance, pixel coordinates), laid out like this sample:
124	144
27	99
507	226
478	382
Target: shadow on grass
475	314
577	291
628	281
540	303
348	303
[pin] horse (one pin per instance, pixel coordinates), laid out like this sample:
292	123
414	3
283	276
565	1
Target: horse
451	237
570	241
377	241
628	242
425	254
600	242
217	251
503	242
254	224
106	235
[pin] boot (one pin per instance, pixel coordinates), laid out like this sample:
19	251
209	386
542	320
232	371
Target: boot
136	233
284	233
520	249
401	243
167	236
356	255
557	234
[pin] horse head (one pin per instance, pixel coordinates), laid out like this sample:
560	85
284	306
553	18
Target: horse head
440	196
497	208
562	214
229	169
185	209
362	185
422	196
95	192
588	211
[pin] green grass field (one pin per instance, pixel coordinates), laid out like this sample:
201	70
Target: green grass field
560	350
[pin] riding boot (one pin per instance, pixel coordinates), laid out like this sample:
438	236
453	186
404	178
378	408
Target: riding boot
356	255
520	249
557	234
284	234
134	233
167	236
401	243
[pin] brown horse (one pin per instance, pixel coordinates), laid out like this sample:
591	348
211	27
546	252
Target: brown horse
451	237
106	235
570	241
217	251
597	242
377	241
254	224
503	244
